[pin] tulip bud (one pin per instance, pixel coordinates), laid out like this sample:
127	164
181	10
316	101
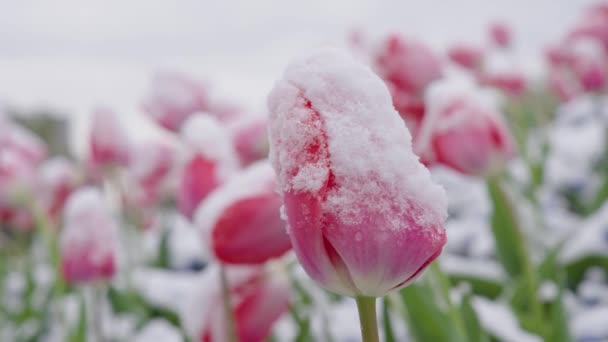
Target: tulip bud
241	219
88	238
468	57
250	137
364	216
258	300
463	130
150	165
109	144
173	98
56	180
500	34
23	142
407	66
211	160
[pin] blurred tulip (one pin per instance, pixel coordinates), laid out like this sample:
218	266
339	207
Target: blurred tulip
173	98
500	34
466	56
589	63
16	174
250	137
241	218
148	171
109	144
258	299
408	67
88	238
211	160
463	130
510	83
56	180
23	142
364	216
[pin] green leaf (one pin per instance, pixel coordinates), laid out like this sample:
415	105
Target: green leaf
79	332
389	336
426	321
559	321
163	259
575	271
471	321
510	244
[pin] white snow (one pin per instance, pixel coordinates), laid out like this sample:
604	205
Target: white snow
362	141
498	319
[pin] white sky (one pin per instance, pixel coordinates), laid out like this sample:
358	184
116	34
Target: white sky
74	55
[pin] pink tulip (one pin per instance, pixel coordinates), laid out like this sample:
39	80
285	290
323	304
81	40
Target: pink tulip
510	83
500	34
88	238
16	174
149	168
241	219
56	180
109	144
211	160
363	215
250	139
463	130
258	299
173	98
408	67
21	141
589	63
466	56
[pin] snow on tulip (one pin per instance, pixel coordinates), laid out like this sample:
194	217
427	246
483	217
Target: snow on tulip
88	238
109	143
250	138
241	220
363	215
55	181
462	129
173	98
259	298
210	161
150	166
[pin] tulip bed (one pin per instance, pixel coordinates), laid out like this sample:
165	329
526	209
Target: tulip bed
391	192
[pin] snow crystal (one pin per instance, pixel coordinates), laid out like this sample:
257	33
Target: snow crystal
257	179
369	149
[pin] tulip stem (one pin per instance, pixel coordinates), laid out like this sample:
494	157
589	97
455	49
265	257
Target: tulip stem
367	317
228	314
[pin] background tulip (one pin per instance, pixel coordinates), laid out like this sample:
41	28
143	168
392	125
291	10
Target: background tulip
210	160
463	130
88	238
241	220
109	143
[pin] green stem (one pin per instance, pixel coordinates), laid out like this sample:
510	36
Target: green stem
228	313
367	317
444	284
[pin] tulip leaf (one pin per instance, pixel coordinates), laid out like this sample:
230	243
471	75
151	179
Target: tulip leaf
389	335
510	244
79	332
426	321
575	270
471	321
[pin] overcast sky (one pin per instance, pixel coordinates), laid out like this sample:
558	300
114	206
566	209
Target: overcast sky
73	55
